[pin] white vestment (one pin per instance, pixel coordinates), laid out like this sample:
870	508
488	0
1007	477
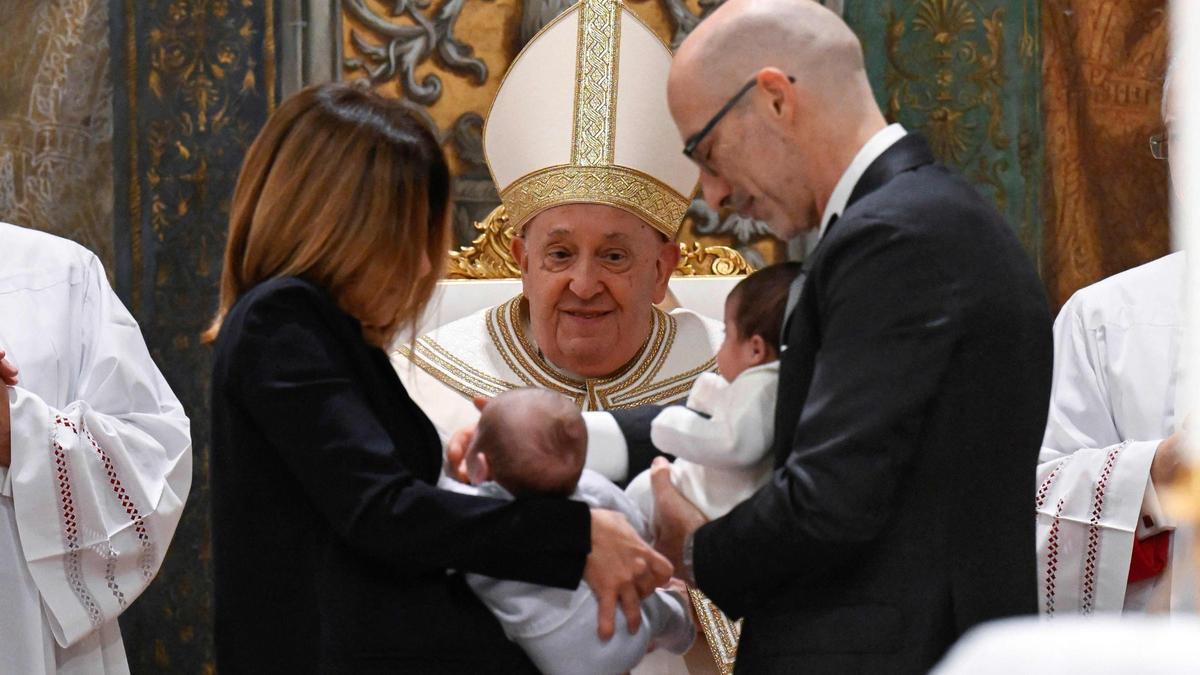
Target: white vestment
1132	644
101	461
489	352
1116	351
557	627
721	441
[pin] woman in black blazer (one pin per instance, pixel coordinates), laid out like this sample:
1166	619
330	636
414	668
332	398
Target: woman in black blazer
333	550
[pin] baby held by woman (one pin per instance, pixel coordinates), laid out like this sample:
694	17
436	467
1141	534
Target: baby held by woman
531	444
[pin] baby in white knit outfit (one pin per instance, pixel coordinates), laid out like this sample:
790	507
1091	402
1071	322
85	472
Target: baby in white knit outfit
722	437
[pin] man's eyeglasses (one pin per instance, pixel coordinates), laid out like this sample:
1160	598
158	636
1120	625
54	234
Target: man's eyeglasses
693	141
1158	145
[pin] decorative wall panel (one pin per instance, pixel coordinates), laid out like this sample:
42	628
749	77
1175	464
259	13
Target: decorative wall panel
194	81
448	59
56	120
1107	198
967	75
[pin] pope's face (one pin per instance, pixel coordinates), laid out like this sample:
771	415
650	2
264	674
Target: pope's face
591	274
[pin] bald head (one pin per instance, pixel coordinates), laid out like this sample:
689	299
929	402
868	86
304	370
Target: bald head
802	38
804	111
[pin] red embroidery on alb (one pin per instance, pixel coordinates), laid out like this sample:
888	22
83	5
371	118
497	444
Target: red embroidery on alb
70	529
1092	559
1044	489
146	560
1052	558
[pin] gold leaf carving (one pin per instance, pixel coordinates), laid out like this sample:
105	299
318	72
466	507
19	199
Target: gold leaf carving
719	261
489	256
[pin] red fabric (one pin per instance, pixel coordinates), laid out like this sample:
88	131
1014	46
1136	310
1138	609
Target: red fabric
1149	556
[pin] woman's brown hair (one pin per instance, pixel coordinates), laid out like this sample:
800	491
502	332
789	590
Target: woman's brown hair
349	190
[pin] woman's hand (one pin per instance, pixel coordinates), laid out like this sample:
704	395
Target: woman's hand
621	568
459	443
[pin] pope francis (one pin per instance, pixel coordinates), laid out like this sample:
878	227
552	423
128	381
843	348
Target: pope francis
590	171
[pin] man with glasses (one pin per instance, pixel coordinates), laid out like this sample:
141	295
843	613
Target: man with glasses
1114	432
916	373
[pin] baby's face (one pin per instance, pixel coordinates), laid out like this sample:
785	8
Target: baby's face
736	353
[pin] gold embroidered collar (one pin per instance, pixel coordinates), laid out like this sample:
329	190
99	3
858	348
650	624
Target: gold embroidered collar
638	383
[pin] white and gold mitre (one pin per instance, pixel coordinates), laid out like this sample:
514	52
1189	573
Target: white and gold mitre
581	117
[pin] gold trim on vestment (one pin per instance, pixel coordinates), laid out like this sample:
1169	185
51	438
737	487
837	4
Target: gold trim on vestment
596	392
632	386
721	633
473	382
647	198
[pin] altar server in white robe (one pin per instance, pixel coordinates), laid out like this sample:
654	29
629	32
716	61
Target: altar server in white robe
95	460
1113	432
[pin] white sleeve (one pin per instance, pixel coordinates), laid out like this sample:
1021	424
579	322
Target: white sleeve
607	451
737	434
1090	483
99	484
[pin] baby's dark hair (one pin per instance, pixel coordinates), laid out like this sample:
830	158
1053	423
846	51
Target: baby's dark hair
535	442
759	301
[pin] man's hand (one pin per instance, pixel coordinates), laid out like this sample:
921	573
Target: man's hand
8	372
674	516
621	568
456	447
8	378
1168	457
1167	460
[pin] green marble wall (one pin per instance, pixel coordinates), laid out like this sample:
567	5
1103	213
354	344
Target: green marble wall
968	75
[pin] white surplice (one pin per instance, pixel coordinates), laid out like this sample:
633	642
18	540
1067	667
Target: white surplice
1145	645
101	461
1113	401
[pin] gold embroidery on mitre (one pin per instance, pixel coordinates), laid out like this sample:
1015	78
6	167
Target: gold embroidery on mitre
649	199
593	136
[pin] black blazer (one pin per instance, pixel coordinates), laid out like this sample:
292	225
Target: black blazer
913	395
332	547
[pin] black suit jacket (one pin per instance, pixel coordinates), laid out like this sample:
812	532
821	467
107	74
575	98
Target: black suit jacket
912	400
331	544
